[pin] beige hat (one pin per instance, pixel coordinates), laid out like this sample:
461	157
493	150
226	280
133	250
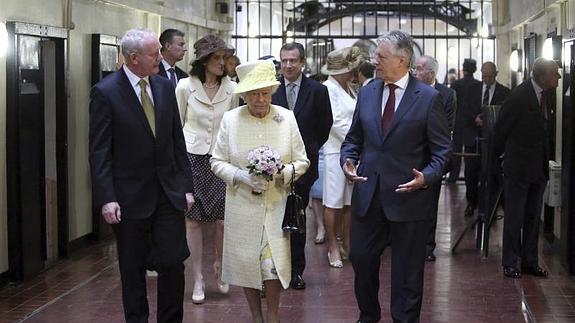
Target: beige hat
342	60
210	44
256	75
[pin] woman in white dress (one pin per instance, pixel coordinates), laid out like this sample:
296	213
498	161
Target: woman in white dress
340	67
256	250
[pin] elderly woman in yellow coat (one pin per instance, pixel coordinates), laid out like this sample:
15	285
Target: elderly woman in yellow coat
256	249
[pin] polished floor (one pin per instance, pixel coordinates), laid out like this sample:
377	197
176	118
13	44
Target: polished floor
458	288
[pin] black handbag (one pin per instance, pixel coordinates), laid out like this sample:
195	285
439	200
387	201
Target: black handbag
294	215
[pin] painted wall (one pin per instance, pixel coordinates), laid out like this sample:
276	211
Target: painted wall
113	17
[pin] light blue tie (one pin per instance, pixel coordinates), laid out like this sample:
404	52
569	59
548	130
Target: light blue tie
291	96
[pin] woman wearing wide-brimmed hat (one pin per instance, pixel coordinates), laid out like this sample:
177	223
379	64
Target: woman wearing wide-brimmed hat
340	67
256	249
202	100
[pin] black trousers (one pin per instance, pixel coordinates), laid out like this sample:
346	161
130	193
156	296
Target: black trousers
430	246
158	241
297	240
370	235
523	203
472	174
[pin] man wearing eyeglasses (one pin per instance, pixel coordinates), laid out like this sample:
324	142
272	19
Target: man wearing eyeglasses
425	70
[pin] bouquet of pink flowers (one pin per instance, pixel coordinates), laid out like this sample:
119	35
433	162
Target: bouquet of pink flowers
265	162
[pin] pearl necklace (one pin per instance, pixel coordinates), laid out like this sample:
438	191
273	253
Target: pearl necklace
210	87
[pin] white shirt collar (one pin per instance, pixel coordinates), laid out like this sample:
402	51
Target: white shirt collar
402	82
537	90
367	81
167	65
134	79
296	82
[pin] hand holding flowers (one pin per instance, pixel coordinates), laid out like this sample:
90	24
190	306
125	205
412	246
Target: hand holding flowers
264	162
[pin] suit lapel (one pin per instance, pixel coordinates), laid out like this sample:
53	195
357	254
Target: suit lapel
280	95
134	106
533	98
376	93
158	107
301	96
409	97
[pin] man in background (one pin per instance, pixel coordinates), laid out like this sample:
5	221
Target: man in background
173	50
425	70
521	137
365	73
309	101
232	61
463	91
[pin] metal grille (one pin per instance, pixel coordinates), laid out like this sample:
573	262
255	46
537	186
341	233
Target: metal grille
447	30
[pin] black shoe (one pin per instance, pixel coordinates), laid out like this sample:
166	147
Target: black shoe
430	257
297	282
511	272
469	210
535	271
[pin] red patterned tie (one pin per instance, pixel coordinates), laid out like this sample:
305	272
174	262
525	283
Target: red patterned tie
389	109
486	96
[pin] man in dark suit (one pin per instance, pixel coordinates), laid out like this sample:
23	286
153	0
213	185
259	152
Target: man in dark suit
140	176
399	137
521	136
462	89
173	50
425	70
309	101
488	92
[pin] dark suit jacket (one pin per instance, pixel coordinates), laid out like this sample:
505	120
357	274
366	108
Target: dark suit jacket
473	109
521	133
128	164
462	88
449	103
418	137
180	74
313	114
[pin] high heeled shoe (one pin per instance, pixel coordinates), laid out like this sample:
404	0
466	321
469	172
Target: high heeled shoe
223	287
198	295
334	263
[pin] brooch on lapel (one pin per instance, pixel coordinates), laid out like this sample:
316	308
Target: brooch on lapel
278	118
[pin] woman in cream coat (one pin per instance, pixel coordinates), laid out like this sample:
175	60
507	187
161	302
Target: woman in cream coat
203	98
256	249
340	66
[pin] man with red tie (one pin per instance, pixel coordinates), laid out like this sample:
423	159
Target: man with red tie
521	137
397	146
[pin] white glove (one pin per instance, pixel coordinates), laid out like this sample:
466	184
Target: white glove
257	183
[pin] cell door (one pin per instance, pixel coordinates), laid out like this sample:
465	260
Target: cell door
36	148
568	158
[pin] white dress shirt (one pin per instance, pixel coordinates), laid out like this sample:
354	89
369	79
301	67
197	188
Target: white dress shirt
401	86
491	92
134	79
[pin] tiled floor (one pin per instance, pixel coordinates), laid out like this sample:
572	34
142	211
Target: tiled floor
459	288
